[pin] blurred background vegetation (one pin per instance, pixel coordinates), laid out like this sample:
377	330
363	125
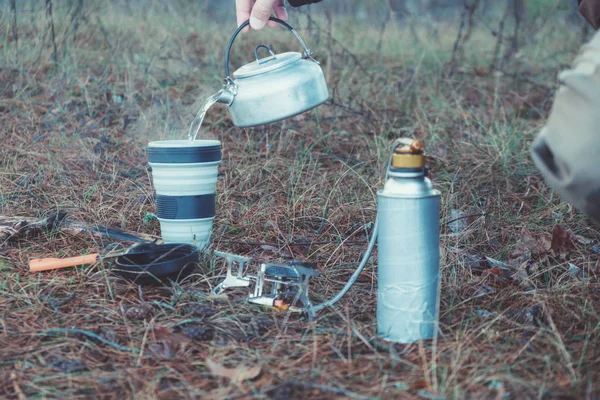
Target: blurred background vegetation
85	84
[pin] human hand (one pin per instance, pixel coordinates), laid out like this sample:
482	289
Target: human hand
259	11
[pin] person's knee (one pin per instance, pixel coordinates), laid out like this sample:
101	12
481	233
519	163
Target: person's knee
567	149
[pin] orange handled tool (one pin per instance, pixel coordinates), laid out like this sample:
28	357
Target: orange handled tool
46	264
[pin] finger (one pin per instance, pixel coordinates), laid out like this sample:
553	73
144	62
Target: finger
260	13
280	11
243	8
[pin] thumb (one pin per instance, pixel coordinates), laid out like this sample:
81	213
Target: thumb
260	13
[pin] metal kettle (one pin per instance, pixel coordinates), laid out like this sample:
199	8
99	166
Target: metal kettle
272	88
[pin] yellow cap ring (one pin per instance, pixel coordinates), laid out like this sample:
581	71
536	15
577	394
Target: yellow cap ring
406	160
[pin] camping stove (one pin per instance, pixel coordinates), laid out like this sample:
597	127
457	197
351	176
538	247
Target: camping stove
408	272
280	285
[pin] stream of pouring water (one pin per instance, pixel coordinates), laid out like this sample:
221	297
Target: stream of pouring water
200	116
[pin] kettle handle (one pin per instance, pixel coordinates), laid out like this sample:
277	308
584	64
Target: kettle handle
307	52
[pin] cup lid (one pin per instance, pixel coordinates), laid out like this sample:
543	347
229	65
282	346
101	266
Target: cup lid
184	151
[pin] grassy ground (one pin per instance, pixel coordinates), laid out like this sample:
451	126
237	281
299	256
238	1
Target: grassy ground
520	297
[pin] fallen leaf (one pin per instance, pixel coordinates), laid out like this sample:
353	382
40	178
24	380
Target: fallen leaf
107	334
474	262
481	70
533	269
583	240
458	221
268	247
238	374
496	263
563	241
364	277
199	332
166	350
261	324
161	331
418	384
138	312
167	343
486	314
532	244
499	273
69	366
577	272
484	290
283	252
496	270
200	310
574	270
528	316
522	276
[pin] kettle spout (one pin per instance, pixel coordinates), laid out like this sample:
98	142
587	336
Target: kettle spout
224	96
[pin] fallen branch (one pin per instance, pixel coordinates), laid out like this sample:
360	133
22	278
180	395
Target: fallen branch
14	229
464	33
293	244
51	30
15	31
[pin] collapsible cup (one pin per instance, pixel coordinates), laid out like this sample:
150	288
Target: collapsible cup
184	175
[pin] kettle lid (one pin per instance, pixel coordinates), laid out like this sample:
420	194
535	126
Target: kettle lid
267	64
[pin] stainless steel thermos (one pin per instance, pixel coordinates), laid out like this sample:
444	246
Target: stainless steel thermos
408	211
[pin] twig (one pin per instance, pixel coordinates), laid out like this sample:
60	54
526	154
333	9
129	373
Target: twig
470	24
15	32
73	22
560	345
13	228
76	20
500	34
185	321
518	17
17	387
388	17
104	32
162	304
345	107
464	33
458	41
51	29
323	219
293	244
345	50
55	331
160	50
141	293
33	14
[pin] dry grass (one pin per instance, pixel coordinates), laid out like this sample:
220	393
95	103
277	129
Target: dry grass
73	138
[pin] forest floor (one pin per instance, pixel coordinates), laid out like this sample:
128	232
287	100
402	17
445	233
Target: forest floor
520	292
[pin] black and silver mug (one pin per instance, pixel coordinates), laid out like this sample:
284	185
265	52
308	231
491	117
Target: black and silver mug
184	175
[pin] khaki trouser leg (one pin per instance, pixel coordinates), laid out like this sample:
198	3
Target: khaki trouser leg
567	149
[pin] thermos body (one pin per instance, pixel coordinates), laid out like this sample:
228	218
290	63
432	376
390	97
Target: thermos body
408	258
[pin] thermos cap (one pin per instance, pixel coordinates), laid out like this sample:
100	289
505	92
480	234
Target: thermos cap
408	154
